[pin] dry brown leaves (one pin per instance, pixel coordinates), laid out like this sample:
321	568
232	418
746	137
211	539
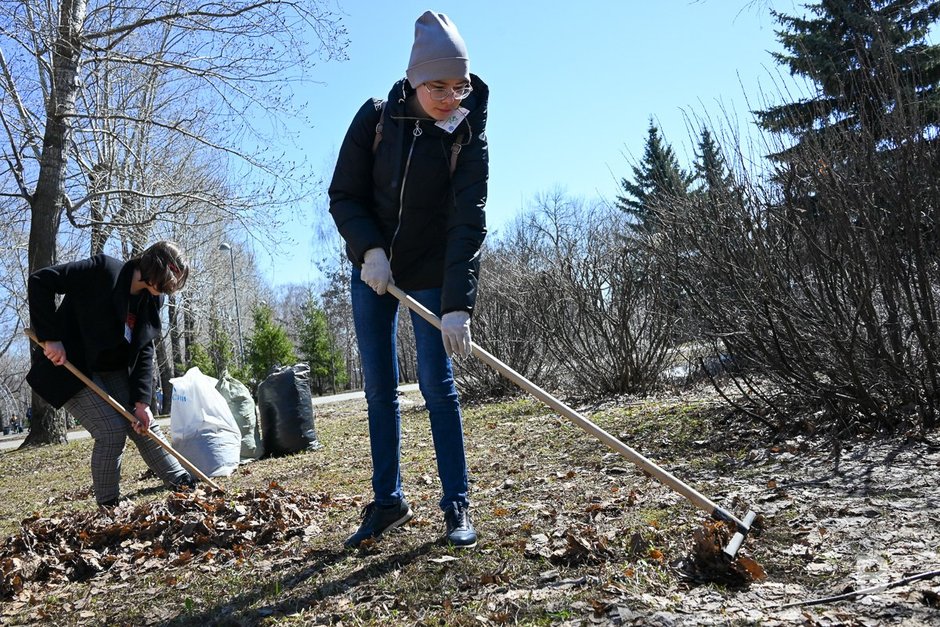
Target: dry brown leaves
187	527
707	562
575	544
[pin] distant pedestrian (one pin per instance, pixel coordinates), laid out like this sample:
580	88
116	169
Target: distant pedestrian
408	196
105	326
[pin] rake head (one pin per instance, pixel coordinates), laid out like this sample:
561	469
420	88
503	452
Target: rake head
743	528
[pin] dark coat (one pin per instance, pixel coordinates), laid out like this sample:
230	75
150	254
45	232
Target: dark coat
90	320
433	237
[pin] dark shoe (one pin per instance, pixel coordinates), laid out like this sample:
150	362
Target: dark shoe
109	504
184	483
377	520
460	532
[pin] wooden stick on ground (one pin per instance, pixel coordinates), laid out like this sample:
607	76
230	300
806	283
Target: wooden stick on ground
131	417
857	594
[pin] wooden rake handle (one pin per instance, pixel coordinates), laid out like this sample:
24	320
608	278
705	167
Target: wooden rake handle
130	417
648	466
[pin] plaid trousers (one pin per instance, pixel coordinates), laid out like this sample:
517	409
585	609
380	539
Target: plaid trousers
110	431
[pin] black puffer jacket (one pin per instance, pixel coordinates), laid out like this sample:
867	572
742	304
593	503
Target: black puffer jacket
404	199
90	320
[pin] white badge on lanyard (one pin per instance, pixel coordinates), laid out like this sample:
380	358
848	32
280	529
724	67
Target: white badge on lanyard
454	120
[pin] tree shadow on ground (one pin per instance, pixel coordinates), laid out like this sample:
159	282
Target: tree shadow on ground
239	610
858	470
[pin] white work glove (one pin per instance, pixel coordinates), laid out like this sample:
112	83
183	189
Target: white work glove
376	271
455	329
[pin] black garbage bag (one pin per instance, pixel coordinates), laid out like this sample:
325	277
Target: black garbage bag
286	409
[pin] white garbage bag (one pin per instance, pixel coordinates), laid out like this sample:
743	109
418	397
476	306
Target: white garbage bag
201	423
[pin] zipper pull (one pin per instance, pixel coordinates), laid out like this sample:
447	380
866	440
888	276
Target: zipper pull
417	132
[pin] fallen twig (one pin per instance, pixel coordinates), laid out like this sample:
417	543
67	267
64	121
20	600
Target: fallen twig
850	596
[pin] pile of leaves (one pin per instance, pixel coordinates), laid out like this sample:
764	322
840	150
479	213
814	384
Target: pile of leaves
186	527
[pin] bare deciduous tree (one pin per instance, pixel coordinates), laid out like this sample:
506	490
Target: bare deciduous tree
502	320
100	104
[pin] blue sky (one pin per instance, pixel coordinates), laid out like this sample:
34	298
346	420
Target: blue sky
573	86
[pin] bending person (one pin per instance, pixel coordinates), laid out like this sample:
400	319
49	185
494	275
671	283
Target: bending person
105	326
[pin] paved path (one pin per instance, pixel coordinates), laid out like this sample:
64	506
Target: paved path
9	442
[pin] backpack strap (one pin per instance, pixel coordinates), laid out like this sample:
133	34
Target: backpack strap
454	149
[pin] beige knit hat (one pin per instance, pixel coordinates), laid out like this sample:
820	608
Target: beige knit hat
439	52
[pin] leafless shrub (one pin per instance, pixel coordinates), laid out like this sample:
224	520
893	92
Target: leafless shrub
822	282
575	304
502	321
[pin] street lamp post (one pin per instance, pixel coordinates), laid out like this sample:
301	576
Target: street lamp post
238	318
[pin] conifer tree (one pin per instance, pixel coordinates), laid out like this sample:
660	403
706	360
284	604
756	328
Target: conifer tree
658	181
268	347
871	63
199	358
318	348
221	350
711	171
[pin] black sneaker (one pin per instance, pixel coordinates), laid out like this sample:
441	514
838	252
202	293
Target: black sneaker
460	532
377	520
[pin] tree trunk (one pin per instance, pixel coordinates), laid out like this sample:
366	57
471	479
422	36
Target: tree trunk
332	363
189	331
49	198
175	347
165	366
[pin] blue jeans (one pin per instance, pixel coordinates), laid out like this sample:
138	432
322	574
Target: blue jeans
376	321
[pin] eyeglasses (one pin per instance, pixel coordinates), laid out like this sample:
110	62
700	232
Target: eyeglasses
443	93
